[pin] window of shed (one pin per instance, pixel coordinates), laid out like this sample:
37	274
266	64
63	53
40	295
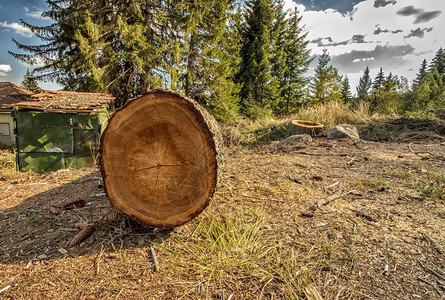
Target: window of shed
4	129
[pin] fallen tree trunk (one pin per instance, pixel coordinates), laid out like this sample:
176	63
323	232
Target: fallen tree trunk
161	158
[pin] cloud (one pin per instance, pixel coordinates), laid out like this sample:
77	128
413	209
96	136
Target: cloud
409	11
17	28
36	13
427	16
420	33
383	3
358	38
357	60
4	69
421	15
380	30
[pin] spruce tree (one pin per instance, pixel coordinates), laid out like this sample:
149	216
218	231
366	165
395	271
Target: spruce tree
30	82
420	77
127	47
326	82
296	61
278	55
387	100
258	90
364	86
210	54
378	83
438	61
346	94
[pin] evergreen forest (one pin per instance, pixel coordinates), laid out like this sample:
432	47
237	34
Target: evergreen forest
236	58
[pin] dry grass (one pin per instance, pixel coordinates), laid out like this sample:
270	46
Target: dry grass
333	113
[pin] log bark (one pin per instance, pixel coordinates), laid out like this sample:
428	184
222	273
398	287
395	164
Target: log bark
304	127
161	158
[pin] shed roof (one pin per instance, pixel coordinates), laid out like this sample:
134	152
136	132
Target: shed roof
11	94
65	101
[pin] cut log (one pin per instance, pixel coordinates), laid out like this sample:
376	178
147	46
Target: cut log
304	127
161	158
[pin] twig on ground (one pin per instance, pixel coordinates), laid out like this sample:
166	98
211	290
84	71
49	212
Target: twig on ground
332	185
433	243
363	215
97	260
418	152
310	212
430	284
5	288
431	271
154	259
351	161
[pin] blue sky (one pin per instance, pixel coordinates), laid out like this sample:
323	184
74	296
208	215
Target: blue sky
393	34
10	14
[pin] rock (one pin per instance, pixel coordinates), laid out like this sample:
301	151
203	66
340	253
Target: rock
343	131
305	138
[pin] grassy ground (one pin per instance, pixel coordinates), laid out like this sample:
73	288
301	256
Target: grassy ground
335	218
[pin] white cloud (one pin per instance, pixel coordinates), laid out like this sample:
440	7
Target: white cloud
379	28
17	28
291	5
4	69
36	13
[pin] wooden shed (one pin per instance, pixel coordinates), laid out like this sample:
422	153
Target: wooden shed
60	129
10	94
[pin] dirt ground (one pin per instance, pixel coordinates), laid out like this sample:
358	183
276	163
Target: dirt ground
339	219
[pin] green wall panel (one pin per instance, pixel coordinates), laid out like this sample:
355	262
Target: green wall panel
53	139
27	119
40	162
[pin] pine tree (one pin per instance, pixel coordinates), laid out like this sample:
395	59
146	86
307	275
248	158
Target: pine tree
346	94
127	47
326	82
420	77
278	55
30	82
210	52
378	83
438	61
258	90
296	61
364	86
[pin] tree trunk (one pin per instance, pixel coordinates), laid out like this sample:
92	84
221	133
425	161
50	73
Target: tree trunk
161	158
304	127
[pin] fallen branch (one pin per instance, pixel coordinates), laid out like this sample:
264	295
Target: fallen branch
430	284
310	212
154	259
363	215
433	243
431	271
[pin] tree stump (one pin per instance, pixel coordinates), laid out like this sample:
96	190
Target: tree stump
304	127
161	158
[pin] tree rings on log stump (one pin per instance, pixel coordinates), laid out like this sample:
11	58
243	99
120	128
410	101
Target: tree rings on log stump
304	127
161	158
